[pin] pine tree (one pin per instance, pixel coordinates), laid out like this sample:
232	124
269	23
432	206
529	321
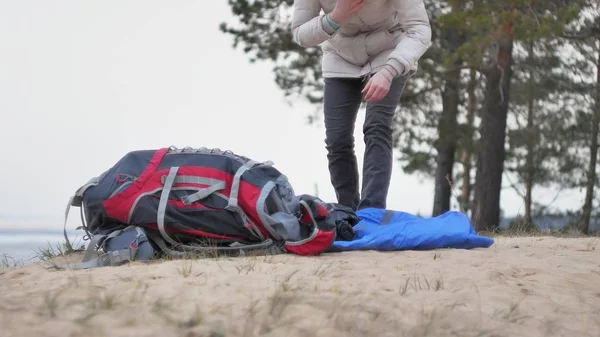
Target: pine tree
538	151
497	27
585	35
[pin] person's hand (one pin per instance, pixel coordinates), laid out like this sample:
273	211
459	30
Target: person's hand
345	9
378	86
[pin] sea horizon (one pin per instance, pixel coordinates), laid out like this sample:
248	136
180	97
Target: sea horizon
23	245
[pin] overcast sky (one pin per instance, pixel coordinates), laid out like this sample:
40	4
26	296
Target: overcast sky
84	82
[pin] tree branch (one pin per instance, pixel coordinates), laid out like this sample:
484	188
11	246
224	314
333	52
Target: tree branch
514	186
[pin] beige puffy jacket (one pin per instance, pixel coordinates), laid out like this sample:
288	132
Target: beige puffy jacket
394	32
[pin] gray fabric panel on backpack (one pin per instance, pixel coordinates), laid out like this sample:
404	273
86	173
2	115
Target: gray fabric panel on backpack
131	235
286	225
282	223
129	244
287	194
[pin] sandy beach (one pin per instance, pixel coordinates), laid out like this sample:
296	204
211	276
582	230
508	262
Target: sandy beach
534	286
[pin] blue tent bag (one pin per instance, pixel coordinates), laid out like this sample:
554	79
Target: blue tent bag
387	230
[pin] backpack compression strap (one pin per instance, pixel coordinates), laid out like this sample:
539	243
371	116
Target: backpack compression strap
267	247
77	201
164	198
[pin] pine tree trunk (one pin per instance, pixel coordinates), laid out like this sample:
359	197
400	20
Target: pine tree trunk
446	144
529	158
529	174
491	153
467	154
591	175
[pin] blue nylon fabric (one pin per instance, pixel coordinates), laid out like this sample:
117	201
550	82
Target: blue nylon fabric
404	231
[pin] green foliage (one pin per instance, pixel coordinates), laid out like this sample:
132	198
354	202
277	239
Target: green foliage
263	31
482	20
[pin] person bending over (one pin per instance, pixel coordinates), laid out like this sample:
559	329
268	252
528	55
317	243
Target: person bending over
377	42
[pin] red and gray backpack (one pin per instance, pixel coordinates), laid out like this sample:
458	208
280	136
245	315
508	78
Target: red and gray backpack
180	201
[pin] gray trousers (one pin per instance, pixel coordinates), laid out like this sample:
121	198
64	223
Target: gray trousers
342	99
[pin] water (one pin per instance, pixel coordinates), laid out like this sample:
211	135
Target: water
24	246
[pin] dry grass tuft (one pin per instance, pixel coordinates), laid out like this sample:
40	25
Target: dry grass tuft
417	284
7	261
246	266
322	270
185	268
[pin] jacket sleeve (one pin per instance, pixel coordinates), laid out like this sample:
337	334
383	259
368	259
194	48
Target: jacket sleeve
309	28
415	22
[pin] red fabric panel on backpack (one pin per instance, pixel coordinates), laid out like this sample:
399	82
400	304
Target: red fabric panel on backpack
305	218
247	199
319	244
322	211
118	206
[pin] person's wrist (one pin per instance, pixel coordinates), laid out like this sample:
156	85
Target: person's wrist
386	74
391	70
396	65
336	17
334	25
